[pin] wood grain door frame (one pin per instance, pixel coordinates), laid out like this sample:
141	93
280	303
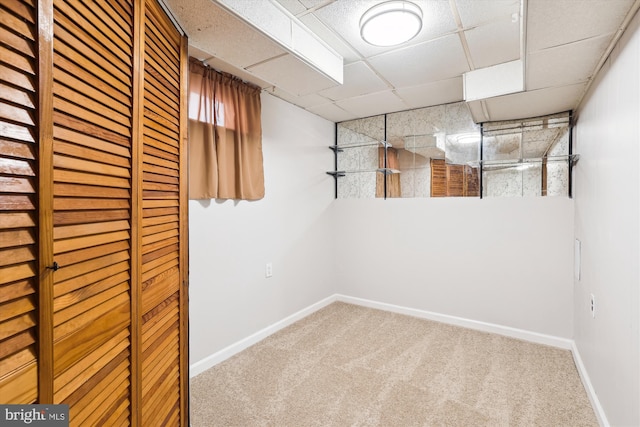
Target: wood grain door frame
45	200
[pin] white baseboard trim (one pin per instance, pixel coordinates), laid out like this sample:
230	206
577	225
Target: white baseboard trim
591	392
535	337
237	347
521	334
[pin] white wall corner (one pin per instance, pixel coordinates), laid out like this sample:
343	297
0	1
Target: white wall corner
237	347
534	337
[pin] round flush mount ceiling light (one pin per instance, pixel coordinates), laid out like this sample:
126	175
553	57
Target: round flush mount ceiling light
391	23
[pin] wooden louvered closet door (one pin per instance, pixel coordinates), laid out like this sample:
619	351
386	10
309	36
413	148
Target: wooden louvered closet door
92	160
163	263
18	202
92	210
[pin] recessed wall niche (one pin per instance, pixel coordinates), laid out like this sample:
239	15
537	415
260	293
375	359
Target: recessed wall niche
440	152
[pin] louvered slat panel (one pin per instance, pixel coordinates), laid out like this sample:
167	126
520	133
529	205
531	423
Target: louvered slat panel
117	379
455	180
77	338
160	234
18	386
438	178
70	381
118	408
165	392
92	161
160	361
86	405
109	274
18	165
471	181
16	290
16	361
157	321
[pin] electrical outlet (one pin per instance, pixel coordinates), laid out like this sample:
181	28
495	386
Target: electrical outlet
593	306
268	270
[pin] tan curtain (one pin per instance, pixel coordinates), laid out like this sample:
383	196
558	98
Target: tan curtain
393	180
225	136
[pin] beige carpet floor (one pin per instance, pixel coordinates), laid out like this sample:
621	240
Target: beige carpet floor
347	365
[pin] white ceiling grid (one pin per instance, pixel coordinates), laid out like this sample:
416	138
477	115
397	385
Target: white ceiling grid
565	42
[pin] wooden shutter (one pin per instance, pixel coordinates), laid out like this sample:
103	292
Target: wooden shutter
92	150
163	265
455	180
92	164
471	181
438	178
18	202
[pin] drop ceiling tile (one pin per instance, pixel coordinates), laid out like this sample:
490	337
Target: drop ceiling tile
441	92
198	53
266	16
358	80
331	38
535	103
494	43
305	101
373	104
567	64
474	13
292	75
248	46
220	65
332	112
427	62
293	6
314	3
344	18
571	20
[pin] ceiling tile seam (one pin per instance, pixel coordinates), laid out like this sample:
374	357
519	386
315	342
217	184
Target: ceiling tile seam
614	41
290	46
380	76
572	83
404	102
429	84
327	99
339	37
583	40
209	58
314	8
559	86
310	108
393	51
461	35
264	61
369	94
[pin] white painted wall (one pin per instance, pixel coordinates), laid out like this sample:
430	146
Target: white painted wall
507	261
607	222
230	242
503	261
